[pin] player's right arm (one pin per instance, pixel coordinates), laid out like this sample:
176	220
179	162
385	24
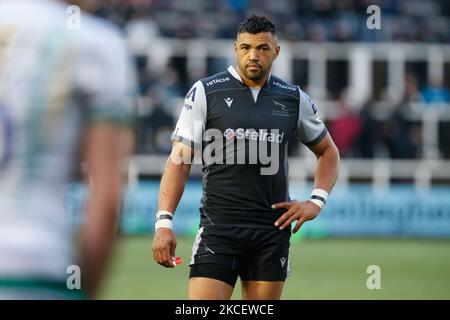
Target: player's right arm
187	140
171	189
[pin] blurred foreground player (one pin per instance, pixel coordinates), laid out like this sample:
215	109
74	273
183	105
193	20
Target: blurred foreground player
232	119
65	96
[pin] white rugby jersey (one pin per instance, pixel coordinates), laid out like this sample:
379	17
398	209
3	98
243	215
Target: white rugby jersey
53	81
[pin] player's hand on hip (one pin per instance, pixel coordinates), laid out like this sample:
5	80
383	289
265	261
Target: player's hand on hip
164	245
300	211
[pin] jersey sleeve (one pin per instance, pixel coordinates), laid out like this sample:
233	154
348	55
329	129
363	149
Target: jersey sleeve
192	121
310	128
105	78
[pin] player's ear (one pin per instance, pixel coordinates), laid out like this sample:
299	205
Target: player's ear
277	51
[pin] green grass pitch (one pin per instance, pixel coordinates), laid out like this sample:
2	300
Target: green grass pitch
322	269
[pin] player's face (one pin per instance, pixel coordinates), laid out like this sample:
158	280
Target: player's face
255	54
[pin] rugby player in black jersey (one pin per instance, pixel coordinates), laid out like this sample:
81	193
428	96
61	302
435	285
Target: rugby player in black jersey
239	121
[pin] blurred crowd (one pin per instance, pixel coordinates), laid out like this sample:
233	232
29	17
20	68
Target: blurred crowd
311	20
359	133
356	129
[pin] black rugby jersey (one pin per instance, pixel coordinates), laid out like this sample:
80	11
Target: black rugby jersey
241	135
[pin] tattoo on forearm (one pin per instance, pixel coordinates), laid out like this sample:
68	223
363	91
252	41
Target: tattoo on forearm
164	195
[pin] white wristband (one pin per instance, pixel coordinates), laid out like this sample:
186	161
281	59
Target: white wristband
163	219
319	197
319	203
164	223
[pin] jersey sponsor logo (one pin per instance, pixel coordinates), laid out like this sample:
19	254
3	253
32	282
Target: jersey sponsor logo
283	86
229	134
252	134
228	101
240	146
215	81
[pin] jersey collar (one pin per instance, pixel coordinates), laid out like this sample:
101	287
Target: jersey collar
234	73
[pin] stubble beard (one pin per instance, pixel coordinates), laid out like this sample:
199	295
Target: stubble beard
254	76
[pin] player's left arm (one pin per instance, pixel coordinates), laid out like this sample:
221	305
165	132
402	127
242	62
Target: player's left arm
328	161
325	177
312	132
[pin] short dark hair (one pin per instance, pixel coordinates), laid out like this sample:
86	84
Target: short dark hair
256	24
